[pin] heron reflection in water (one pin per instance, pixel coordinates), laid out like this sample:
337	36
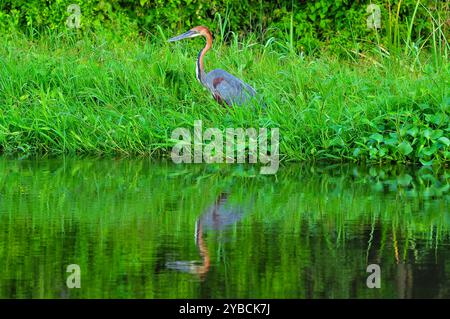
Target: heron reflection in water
217	217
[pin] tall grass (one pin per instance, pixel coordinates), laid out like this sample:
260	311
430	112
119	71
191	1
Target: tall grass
67	93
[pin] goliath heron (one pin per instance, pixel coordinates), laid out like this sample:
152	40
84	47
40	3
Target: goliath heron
223	86
217	217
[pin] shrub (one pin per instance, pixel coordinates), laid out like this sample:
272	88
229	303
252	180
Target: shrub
305	24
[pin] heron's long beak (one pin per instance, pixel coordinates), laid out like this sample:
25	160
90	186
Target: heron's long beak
185	35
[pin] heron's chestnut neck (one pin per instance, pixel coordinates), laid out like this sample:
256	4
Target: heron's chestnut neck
200	67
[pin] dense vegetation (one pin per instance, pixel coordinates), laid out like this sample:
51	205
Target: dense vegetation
302	24
337	92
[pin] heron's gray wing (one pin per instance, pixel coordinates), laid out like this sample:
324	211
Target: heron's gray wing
184	266
220	217
221	214
229	88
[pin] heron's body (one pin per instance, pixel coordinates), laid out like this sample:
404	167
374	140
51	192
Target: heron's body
228	88
224	87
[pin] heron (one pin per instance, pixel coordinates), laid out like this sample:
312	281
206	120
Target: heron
220	215
224	87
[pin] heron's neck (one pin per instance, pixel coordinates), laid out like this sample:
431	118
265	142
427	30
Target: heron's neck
200	67
203	248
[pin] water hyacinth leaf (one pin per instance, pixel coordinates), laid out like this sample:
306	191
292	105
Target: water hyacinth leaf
427	133
395	135
445	188
405	148
428	192
412	193
373	172
437	191
377	137
403	132
393	187
391	141
426	163
437	119
428	151
404	180
373	153
436	134
413	131
378	187
444	140
337	141
424	106
429	177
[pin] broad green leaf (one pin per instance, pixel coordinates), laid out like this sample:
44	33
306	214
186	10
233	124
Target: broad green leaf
391	141
426	163
377	137
413	131
404	180
436	134
405	148
378	187
444	141
427	133
428	151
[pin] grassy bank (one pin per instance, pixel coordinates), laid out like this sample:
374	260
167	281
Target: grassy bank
95	94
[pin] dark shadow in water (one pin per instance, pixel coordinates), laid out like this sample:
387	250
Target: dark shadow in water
217	217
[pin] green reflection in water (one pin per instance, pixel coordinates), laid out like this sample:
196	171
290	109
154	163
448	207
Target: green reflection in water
140	229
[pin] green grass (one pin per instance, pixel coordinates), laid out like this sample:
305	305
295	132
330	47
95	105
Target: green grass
99	95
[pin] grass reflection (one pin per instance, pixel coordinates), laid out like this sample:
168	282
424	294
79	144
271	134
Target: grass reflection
308	232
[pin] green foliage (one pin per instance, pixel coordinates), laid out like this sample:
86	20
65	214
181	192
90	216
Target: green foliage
341	25
420	134
89	94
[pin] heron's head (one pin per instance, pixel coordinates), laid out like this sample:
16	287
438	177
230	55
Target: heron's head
194	32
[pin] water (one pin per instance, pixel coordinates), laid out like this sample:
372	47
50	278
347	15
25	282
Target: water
140	229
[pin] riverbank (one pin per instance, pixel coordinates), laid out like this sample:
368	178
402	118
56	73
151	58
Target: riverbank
96	95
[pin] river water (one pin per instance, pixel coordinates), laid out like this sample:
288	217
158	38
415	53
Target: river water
143	229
